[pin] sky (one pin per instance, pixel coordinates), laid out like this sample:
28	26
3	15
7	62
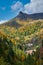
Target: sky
11	8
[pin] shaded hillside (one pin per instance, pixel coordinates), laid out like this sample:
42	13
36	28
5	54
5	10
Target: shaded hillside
12	23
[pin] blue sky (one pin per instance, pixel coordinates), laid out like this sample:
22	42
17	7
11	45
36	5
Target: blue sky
5	8
10	8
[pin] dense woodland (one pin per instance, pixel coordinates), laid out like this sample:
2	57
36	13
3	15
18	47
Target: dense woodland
14	44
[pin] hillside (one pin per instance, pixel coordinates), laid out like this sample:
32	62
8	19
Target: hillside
14	43
23	19
20	41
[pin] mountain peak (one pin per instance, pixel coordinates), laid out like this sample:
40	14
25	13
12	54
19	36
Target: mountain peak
20	12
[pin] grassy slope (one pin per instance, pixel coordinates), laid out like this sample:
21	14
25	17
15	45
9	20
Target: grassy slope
13	41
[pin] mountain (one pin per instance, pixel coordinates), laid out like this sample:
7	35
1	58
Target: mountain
23	17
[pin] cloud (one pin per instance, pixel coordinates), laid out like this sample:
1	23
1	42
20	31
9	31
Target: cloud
35	6
18	6
3	21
